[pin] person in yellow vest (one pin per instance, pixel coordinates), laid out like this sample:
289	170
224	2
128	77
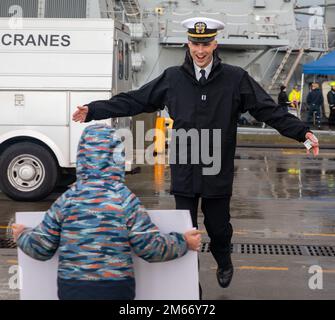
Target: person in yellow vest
294	97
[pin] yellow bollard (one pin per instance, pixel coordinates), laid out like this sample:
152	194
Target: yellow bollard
159	172
169	123
168	128
160	130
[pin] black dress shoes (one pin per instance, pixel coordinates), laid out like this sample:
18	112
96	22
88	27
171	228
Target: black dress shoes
224	276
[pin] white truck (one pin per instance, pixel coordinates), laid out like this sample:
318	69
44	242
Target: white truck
48	67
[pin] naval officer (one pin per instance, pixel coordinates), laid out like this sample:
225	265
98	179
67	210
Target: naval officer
204	93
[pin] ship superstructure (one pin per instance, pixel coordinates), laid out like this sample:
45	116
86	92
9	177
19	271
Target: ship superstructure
260	35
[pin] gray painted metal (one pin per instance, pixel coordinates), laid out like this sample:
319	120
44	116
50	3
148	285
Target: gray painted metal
330	22
65	8
29	8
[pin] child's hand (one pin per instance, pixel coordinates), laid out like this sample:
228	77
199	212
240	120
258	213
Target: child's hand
193	239
17	230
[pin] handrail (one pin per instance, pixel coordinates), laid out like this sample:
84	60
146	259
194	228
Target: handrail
311	39
270	63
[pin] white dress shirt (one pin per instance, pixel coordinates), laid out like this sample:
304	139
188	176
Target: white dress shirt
207	69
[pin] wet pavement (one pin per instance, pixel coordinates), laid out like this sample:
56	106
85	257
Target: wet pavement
283	215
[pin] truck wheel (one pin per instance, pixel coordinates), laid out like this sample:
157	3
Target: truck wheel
28	172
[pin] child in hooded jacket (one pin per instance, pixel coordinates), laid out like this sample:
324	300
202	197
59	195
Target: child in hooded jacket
96	223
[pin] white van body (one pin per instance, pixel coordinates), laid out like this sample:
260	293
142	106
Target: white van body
48	68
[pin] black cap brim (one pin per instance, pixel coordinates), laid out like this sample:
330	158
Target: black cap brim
200	40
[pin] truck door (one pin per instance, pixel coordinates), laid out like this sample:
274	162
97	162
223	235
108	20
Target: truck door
122	76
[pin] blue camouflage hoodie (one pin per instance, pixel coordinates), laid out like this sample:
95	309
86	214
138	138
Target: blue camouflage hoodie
97	222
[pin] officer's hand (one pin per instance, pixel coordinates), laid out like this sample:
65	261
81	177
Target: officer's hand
315	143
193	239
80	114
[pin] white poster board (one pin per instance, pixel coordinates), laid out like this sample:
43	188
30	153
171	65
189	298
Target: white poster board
172	280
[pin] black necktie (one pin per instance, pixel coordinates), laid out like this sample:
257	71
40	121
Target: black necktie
203	79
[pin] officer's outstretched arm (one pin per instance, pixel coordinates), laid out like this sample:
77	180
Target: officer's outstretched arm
149	98
262	107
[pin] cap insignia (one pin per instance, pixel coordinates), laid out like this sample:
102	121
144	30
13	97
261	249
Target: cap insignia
200	27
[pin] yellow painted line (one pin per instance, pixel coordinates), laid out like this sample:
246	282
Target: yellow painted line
263	268
328	271
319	234
294	152
304	152
12	261
258	268
280	232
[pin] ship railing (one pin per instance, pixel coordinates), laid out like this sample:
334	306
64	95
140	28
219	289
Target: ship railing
312	39
120	15
248	25
135	17
264	25
131	7
167	23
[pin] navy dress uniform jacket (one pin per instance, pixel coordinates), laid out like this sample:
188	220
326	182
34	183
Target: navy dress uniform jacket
228	91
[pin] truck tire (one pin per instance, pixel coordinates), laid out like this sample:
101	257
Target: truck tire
28	172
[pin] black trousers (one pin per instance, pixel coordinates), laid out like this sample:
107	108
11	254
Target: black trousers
217	222
317	109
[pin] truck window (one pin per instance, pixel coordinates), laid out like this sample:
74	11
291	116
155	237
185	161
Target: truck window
121	59
127	61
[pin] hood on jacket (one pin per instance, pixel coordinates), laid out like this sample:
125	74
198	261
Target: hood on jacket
100	155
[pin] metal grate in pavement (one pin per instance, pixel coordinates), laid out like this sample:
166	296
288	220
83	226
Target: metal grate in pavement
278	249
7	244
321	251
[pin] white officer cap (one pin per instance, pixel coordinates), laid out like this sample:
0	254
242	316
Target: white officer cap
202	29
